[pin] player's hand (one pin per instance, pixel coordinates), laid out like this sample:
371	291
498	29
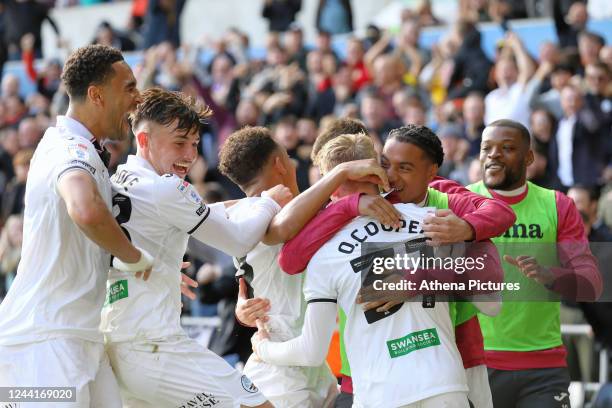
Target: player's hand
381	209
529	266
446	228
187	283
381	305
279	193
259	337
248	311
142	267
365	170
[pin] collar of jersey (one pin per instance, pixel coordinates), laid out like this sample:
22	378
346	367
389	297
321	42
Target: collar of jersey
132	159
75	127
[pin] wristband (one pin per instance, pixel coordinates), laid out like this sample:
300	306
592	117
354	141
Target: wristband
144	263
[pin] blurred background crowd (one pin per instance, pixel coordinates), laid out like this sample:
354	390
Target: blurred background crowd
385	76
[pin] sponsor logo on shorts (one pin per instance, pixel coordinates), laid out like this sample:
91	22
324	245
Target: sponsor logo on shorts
87	166
248	385
561	396
412	342
201	400
117	291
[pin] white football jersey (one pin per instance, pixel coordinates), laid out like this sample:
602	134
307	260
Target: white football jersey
399	357
60	284
261	270
157	213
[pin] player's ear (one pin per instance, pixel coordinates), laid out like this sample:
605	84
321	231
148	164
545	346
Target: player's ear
142	138
94	94
530	158
279	166
432	172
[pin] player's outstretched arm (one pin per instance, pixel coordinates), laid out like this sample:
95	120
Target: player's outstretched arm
305	206
238	237
87	209
308	349
490	217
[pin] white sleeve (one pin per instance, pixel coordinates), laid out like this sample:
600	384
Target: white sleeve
71	156
178	203
310	348
236	237
321	277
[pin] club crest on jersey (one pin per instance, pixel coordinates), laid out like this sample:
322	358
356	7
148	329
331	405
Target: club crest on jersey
189	192
78	151
248	385
183	185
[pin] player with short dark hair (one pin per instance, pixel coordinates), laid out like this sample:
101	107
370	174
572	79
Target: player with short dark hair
547	252
156	363
49	321
282	294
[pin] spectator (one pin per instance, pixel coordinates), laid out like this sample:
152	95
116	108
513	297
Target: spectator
323	43
294	45
162	23
321	68
539	172
29	133
15	110
408	49
375	117
473	119
12	198
475	11
22	17
598	98
360	76
550	100
47	82
425	16
605	56
285	133
589	46
387	73
10	86
247	113
512	73
586	199
280	13
543	126
471	70
455	166
578	150
571	24
414	113
107	35
335	16
10	250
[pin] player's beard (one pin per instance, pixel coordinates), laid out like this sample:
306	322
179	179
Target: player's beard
511	177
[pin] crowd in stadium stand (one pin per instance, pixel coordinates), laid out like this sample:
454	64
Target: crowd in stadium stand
563	95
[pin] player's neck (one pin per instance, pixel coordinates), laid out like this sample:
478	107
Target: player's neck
255	190
513	192
81	114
